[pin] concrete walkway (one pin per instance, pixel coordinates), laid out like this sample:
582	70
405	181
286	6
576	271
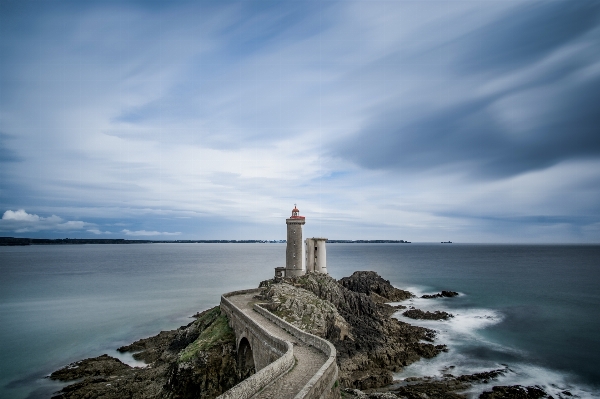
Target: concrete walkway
308	359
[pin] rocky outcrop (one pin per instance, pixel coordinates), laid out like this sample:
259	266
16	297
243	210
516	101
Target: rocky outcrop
135	383
443	294
418	314
194	361
446	387
306	311
206	366
356	393
375	344
101	365
371	284
515	392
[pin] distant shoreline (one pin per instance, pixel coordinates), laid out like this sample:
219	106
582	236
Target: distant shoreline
14	241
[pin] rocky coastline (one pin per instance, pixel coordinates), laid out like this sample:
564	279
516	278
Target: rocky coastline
199	360
418	314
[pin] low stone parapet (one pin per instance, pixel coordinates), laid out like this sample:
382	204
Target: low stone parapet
267	374
322	384
253	384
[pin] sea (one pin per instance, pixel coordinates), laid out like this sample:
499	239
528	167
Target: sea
531	310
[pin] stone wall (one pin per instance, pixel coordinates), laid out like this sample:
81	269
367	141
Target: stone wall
272	356
323	383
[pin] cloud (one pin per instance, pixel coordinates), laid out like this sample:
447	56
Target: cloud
7	154
97	231
148	233
23	216
527	34
524	99
377	117
20	221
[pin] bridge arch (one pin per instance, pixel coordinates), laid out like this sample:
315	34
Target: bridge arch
245	358
266	340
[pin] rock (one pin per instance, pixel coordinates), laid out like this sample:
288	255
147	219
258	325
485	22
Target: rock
431	389
92	367
382	395
418	314
447	387
443	294
206	375
150	349
515	392
194	361
355	393
371	284
133	384
306	311
376	344
484	376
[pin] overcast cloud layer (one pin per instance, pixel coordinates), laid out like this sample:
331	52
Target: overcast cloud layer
474	121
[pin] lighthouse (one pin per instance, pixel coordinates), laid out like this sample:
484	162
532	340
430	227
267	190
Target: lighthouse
294	252
316	259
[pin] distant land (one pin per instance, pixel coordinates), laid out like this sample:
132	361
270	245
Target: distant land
11	241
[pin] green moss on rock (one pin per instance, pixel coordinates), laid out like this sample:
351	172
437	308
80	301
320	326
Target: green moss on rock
216	333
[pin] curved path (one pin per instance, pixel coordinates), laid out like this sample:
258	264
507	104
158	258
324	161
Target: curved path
308	359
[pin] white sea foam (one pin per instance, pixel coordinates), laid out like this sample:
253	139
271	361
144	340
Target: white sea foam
557	384
459	334
463	334
463	327
127	358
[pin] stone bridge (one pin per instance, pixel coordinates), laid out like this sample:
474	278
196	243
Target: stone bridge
289	362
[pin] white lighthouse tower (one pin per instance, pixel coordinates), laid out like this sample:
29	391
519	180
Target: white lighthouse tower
294	253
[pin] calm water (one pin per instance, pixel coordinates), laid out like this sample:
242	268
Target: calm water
533	308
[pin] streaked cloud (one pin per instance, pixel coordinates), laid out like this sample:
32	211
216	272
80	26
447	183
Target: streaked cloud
383	119
7	154
515	95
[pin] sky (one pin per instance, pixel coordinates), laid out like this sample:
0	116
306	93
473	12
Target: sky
472	121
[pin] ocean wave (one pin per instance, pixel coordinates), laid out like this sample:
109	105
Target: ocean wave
556	384
464	325
471	351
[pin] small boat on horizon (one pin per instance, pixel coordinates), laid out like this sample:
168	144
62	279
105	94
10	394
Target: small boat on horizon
446	242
